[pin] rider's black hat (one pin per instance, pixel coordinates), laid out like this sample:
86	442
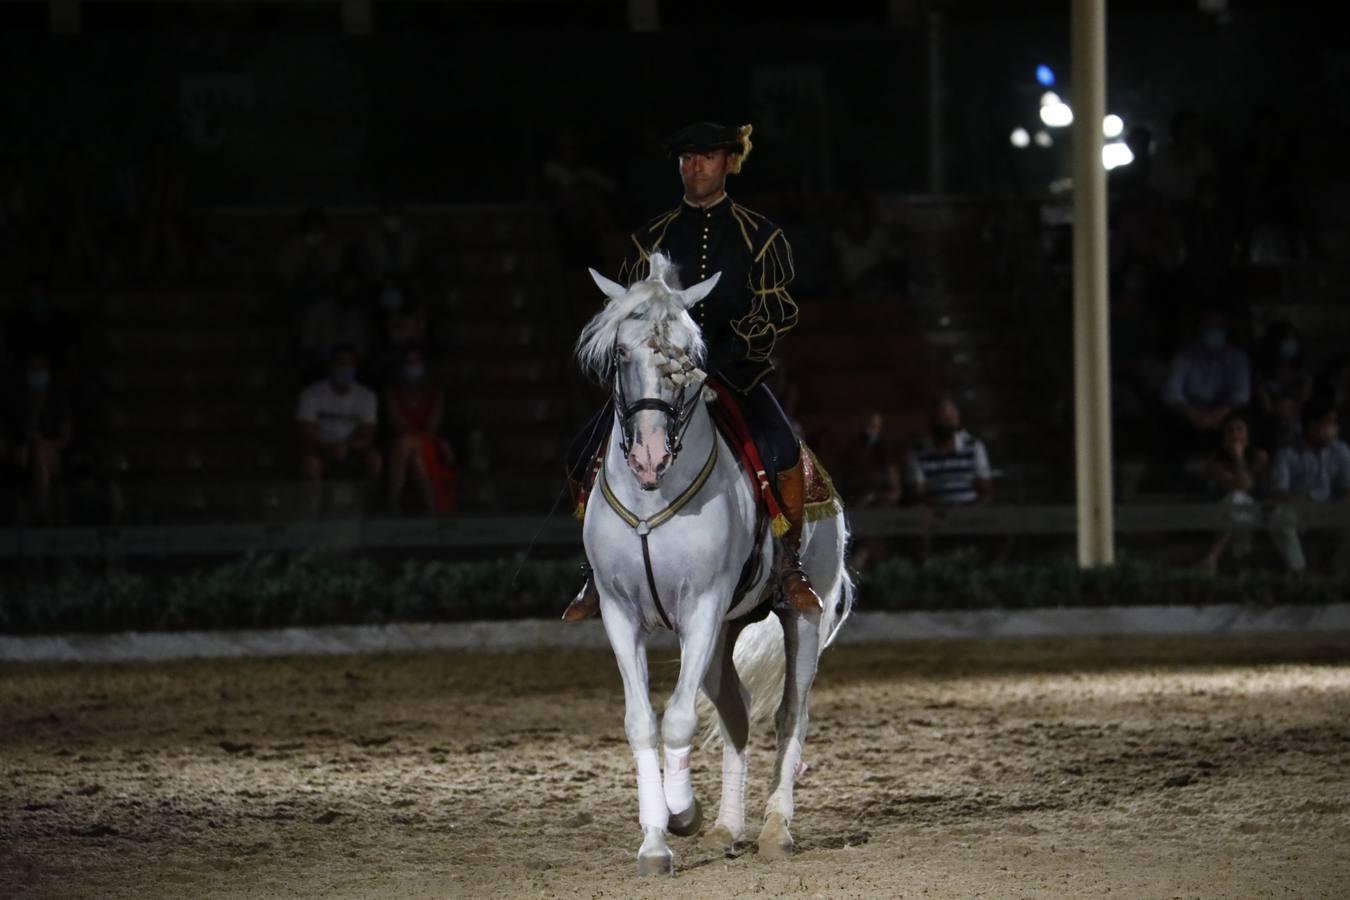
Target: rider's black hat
700	137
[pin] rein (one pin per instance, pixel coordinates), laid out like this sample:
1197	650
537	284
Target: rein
644	527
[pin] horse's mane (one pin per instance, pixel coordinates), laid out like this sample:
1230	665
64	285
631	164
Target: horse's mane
654	301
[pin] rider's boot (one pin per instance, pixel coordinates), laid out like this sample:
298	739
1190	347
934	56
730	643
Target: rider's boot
797	590
586	603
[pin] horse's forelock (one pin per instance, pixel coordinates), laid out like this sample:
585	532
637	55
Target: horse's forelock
651	301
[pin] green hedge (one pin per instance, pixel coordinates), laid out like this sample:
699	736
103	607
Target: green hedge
313	589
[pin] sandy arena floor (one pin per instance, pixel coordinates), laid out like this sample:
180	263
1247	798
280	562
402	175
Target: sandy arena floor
1150	769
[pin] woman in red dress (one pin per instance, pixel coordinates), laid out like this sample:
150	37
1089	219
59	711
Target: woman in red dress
416	410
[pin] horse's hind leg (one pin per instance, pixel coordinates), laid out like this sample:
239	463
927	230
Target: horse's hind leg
630	651
801	644
723	686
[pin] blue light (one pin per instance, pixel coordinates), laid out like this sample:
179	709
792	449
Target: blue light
1045	75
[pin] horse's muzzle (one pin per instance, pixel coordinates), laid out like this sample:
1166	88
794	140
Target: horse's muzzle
647	467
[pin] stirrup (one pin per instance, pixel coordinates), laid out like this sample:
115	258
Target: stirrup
802	599
586	604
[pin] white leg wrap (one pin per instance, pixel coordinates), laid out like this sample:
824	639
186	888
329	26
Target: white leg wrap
652	812
679	789
731	812
782	800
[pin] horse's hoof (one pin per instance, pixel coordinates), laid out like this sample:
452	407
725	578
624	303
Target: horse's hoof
719	839
775	841
687	822
658	863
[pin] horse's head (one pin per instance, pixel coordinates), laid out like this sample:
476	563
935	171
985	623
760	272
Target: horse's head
647	342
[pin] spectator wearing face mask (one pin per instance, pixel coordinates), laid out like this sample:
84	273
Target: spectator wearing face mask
337	418
1283	383
418	451
1208	381
1316	469
391	246
949	466
40	431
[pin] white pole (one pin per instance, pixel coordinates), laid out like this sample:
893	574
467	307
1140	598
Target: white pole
1092	386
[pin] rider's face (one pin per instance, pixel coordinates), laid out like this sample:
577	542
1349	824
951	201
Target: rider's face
704	174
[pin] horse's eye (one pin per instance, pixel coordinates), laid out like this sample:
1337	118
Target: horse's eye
622	353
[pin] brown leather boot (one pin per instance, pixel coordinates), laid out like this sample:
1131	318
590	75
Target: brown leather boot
586	604
797	589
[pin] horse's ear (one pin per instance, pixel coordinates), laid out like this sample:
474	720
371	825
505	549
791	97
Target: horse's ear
611	289
692	295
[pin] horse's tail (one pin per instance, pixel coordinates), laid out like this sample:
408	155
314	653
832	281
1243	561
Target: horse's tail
759	655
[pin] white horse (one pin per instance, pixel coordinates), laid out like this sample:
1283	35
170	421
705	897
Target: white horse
671	525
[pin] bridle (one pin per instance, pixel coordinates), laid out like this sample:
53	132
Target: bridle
678	414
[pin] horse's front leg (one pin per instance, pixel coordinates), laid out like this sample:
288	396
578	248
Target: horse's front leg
630	650
699	632
801	644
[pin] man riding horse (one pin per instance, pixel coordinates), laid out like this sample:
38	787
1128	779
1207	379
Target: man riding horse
741	320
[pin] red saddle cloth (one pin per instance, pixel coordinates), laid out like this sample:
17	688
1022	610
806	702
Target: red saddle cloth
730	421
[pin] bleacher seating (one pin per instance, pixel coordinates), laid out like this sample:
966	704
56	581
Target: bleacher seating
203	387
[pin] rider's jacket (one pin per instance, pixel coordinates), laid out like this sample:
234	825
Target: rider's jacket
750	307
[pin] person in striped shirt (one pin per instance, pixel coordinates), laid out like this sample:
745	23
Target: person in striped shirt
949	466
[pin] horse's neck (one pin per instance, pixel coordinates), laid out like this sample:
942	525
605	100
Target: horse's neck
698	443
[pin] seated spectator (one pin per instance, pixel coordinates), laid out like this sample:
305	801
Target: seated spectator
416	409
335	316
1314	470
1236	470
871	475
391	246
864	256
949	467
1208	381
40	426
1282	383
311	256
337	418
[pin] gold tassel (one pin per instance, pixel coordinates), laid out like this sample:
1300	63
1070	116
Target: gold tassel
780	525
580	512
737	160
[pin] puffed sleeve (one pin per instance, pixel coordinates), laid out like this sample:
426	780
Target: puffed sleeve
772	310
